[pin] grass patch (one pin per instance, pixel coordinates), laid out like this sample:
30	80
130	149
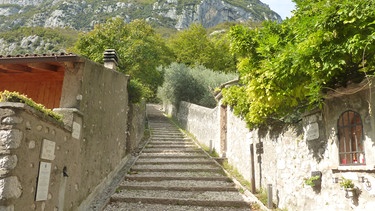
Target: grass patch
234	173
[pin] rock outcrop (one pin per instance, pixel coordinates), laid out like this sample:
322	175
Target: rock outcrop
83	15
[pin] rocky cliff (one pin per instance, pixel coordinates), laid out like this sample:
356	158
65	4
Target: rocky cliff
83	15
53	24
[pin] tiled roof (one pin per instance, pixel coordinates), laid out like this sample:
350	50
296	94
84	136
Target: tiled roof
36	62
61	57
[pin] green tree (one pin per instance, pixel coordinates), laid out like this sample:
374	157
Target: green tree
140	49
191	84
289	67
194	46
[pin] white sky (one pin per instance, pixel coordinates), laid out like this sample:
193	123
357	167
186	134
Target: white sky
282	7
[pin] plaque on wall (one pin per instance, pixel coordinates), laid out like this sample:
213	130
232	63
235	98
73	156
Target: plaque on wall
48	150
43	181
76	130
312	131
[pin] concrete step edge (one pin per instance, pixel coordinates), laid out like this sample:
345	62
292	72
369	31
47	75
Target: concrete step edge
170	149
174	162
187	202
176	170
178	188
161	178
150	146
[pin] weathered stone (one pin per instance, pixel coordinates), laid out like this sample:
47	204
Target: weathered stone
12	120
8	162
10	188
10	139
7	208
6	112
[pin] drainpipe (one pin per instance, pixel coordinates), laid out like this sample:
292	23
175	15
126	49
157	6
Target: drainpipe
110	59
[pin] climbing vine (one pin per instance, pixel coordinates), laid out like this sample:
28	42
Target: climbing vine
288	68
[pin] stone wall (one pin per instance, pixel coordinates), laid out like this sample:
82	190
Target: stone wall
23	133
81	155
136	125
292	153
202	123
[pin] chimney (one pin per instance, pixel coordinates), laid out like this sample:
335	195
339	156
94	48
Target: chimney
110	59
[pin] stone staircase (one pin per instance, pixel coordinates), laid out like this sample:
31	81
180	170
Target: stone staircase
173	173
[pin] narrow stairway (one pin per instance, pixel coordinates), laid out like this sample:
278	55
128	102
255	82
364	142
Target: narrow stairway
173	173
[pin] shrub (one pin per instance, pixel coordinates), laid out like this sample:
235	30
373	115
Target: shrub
7	96
191	84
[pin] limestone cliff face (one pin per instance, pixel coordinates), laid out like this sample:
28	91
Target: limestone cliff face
21	2
83	15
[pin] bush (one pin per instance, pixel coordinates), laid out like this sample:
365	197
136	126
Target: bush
137	91
7	96
191	84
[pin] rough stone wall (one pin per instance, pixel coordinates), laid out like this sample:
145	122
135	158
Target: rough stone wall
291	153
202	122
23	132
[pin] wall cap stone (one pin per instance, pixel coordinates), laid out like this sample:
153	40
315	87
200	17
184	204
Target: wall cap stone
33	111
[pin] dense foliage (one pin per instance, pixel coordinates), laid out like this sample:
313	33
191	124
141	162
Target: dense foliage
289	67
191	84
139	48
194	46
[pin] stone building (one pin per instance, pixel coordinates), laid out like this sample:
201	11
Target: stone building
50	165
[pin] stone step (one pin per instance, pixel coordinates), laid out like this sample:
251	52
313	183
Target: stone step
171	150
171	174
176	161
140	169
173	184
172	155
168	136
179	165
181	140
119	206
166	156
166	132
173	146
177	188
184	155
178	142
149	177
196	198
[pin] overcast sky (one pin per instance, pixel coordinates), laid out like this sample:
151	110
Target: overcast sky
282	7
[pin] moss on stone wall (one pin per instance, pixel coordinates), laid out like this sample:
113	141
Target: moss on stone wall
7	96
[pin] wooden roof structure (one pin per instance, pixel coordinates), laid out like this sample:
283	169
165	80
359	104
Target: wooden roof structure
40	77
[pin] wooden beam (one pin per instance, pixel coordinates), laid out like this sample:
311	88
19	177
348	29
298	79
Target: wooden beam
15	68
44	66
26	77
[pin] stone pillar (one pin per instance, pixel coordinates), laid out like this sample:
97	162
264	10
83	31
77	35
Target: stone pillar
10	139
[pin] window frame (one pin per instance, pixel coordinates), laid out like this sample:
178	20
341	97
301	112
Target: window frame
350	126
